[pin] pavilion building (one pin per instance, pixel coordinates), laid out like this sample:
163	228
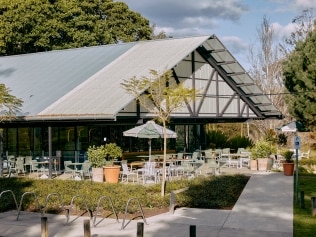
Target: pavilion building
73	98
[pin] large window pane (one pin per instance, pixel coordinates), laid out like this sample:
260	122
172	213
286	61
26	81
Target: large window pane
24	135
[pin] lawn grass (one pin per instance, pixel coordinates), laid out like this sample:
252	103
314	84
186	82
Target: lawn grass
304	222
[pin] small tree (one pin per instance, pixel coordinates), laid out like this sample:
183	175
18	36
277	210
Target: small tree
266	69
160	95
9	106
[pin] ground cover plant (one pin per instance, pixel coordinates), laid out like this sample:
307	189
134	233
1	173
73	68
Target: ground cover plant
304	222
213	192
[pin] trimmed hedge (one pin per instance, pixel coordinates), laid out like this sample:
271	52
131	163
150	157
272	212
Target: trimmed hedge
220	192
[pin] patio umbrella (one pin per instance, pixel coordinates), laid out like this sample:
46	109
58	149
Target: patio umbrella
149	130
294	126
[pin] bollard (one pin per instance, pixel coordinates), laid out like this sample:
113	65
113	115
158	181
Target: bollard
192	231
313	206
86	228
44	226
140	229
172	202
173	198
302	200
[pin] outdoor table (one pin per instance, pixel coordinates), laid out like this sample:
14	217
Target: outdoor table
157	157
172	155
195	164
144	157
137	164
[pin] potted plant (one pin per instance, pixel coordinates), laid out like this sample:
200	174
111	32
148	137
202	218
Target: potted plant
101	159
111	171
96	156
262	151
288	164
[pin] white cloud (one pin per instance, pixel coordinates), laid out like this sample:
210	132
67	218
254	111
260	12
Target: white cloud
281	31
305	3
188	15
235	44
293	5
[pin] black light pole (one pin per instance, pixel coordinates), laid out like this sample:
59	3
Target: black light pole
50	159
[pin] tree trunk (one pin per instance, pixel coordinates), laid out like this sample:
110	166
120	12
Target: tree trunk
1	152
164	160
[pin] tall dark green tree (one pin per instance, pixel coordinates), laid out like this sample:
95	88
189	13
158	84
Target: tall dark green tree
299	71
28	26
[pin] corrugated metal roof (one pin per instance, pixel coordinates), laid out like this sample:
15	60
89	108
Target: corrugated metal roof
102	94
40	79
86	82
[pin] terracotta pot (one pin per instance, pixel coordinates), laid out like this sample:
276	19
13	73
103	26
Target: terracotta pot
97	175
253	165
111	173
288	169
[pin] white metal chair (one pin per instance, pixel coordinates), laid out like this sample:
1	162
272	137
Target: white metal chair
196	155
17	166
34	166
28	163
214	165
304	154
69	167
150	172
187	168
85	170
126	173
245	158
225	156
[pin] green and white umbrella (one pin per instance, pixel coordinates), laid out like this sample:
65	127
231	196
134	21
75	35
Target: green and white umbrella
294	126
149	130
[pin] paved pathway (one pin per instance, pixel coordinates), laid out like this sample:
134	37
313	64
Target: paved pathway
264	209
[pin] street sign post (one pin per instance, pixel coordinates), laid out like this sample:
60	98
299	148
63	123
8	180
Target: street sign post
297	145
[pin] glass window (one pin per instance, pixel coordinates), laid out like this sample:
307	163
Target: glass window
24	141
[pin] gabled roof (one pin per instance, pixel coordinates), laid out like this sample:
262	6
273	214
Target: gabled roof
85	83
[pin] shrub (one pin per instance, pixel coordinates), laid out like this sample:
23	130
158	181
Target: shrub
216	139
103	155
205	192
263	149
240	142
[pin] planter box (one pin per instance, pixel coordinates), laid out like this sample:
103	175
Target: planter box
97	175
265	164
253	165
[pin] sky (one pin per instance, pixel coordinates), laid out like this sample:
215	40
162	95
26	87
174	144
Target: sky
234	22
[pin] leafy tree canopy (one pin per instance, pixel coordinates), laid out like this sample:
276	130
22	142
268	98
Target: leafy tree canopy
300	80
28	26
9	104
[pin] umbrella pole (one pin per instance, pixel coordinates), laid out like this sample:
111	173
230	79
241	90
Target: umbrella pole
149	143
